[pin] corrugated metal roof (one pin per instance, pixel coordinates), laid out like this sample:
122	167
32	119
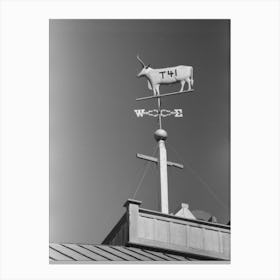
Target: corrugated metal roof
67	252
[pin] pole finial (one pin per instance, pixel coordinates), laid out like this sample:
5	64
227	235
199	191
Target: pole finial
160	134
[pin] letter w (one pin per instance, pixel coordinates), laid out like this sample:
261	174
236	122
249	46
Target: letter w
139	113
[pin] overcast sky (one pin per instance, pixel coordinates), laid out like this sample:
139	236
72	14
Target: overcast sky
95	134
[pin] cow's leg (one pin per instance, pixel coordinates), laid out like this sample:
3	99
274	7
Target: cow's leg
154	90
189	84
182	85
157	89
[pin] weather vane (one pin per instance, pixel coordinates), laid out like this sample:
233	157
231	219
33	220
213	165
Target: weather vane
169	75
156	77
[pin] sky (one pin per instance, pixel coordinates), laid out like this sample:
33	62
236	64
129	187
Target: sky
95	134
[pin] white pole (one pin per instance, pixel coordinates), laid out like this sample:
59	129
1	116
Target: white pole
163	176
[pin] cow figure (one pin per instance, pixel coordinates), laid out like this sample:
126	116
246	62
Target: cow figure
169	75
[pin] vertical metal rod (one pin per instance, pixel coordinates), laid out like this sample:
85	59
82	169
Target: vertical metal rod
159	113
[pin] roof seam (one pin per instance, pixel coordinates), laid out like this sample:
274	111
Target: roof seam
110	253
82	246
155	255
152	259
125	253
78	252
173	257
63	253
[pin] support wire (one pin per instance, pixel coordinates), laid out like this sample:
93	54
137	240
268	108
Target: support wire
147	166
201	180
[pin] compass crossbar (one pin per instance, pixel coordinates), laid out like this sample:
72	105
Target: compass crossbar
164	95
153	159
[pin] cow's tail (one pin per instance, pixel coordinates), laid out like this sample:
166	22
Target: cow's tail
192	80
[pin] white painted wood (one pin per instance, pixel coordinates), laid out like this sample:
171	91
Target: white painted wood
154	159
178	234
146	228
196	237
161	231
163	177
149	158
211	240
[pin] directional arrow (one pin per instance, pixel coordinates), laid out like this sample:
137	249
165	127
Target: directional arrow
164	95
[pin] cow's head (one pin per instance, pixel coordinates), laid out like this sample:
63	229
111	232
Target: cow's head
145	69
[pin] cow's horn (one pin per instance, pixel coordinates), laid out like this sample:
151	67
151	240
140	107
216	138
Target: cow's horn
141	61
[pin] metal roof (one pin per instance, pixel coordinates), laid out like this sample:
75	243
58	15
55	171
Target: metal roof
67	252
